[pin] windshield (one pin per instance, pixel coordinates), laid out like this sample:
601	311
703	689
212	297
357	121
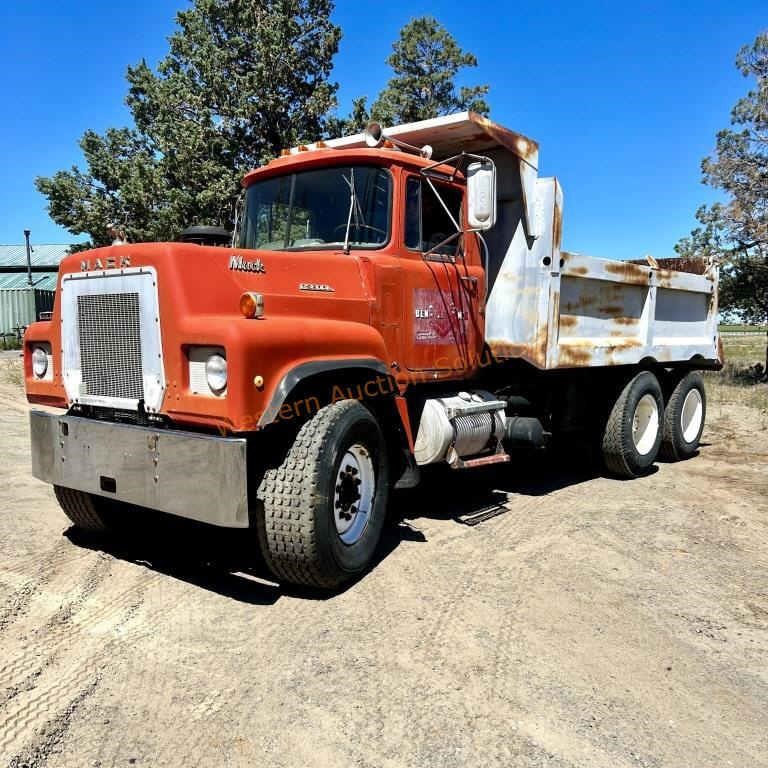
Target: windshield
316	209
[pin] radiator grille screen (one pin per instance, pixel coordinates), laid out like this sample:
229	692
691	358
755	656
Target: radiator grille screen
110	345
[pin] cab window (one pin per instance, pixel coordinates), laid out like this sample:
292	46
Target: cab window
426	221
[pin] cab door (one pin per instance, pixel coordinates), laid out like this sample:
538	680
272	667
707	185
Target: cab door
443	285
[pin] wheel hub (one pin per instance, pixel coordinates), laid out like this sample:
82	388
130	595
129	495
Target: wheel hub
691	415
347	491
353	493
645	424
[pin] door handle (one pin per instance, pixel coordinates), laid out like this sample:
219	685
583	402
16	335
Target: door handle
471	281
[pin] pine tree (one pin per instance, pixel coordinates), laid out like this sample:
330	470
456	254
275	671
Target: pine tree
426	60
242	80
736	231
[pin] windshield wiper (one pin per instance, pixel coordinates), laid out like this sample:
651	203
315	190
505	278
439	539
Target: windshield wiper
354	208
289	217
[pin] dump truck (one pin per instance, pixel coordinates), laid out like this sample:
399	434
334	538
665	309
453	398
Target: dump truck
391	300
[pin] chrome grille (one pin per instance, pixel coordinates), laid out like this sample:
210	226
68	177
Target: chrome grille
110	345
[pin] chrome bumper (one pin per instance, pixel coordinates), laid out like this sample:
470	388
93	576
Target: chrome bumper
201	477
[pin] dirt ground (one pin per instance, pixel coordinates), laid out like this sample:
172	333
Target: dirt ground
590	622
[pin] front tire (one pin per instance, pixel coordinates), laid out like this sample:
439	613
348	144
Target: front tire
684	418
323	509
85	510
632	434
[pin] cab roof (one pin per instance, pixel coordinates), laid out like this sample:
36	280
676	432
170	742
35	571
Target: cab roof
448	135
306	159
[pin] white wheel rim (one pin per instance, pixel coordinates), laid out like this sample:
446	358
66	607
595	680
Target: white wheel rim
691	415
353	493
645	424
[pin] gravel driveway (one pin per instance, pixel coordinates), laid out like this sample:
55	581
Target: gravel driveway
584	622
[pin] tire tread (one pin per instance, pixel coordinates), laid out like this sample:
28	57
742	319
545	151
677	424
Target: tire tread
617	449
670	450
286	528
80	508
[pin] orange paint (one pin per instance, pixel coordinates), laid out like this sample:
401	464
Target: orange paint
368	314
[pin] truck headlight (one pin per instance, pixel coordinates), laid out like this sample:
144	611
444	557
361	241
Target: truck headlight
39	362
216	373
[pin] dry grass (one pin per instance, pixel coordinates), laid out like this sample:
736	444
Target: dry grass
11	373
740	380
744	349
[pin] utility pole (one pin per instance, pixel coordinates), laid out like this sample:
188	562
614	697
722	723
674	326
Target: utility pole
27	233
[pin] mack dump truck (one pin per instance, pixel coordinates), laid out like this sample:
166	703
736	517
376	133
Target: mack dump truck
391	300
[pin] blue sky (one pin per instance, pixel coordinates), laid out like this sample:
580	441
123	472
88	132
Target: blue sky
625	100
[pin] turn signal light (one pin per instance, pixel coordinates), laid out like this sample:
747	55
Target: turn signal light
252	304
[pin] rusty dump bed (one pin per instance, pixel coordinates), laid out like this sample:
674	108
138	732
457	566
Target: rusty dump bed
563	310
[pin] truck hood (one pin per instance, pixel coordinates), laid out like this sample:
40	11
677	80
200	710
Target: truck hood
202	280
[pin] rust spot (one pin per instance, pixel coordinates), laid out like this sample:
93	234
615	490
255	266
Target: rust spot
557	227
555	305
665	278
626	320
630	273
520	145
586	300
627	343
535	352
577	271
568	321
692	266
572	357
612	310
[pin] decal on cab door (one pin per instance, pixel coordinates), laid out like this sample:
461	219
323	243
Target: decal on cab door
435	316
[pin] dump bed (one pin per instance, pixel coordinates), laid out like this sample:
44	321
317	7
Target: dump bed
562	310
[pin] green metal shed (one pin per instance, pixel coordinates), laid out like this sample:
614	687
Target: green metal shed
22	303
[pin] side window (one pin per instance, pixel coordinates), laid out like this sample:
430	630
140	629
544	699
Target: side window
426	222
413	214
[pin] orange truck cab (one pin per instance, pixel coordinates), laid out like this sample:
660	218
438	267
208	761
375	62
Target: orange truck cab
379	310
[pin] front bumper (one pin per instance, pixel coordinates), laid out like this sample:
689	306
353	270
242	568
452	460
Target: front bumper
201	477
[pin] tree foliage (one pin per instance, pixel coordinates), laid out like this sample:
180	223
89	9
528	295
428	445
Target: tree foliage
736	231
242	79
425	60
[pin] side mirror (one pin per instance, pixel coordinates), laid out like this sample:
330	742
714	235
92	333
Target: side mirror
481	194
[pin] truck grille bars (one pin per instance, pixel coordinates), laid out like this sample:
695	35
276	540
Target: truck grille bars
110	345
112	352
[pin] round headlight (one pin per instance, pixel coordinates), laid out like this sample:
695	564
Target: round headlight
216	373
39	362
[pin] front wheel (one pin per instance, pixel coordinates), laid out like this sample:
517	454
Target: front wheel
86	511
632	433
322	510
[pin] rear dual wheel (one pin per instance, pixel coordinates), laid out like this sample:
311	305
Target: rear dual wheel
633	432
642	427
684	418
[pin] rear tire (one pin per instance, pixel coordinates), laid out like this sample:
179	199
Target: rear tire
85	510
633	431
684	418
322	510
